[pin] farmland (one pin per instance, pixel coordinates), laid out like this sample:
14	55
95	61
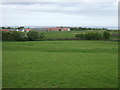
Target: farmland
60	64
71	34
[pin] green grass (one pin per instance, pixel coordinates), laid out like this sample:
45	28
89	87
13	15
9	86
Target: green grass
60	64
71	34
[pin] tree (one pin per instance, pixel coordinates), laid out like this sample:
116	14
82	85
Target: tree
19	36
106	35
33	35
89	36
13	36
93	36
7	36
80	36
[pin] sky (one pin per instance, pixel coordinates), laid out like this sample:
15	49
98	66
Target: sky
60	13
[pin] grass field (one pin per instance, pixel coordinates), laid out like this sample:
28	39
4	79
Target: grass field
72	34
60	64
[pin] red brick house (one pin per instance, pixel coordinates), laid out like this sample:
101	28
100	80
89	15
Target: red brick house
27	30
5	30
58	29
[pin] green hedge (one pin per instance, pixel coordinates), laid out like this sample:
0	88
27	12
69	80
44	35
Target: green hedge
21	36
106	35
94	36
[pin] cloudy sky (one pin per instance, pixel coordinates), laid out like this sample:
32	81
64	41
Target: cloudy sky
60	13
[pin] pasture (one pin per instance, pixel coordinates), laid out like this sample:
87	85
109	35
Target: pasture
60	64
72	34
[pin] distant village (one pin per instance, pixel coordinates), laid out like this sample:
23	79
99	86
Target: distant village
23	29
26	29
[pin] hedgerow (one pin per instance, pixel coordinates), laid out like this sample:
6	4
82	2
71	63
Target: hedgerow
94	36
21	36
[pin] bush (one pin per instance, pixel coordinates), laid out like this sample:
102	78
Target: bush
93	36
80	36
23	36
90	36
106	35
7	36
33	35
42	36
19	36
13	36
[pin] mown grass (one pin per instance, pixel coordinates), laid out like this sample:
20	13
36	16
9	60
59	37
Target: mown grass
60	64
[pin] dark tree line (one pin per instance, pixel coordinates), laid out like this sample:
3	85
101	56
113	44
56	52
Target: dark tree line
83	28
21	27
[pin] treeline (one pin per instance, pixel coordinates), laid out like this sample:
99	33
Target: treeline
22	36
21	27
83	28
94	36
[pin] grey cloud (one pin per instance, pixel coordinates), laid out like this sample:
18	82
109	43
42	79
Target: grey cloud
24	3
84	12
92	9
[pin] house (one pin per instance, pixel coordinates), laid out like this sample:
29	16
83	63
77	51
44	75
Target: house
39	29
66	29
5	30
13	29
51	29
23	30
54	29
17	30
27	30
58	29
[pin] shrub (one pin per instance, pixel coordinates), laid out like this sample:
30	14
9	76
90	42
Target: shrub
106	35
98	36
33	35
80	36
42	36
93	36
13	36
19	36
7	36
23	37
90	36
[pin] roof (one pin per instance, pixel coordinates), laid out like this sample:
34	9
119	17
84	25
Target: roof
21	29
39	29
54	29
66	28
12	29
5	29
57	28
27	29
